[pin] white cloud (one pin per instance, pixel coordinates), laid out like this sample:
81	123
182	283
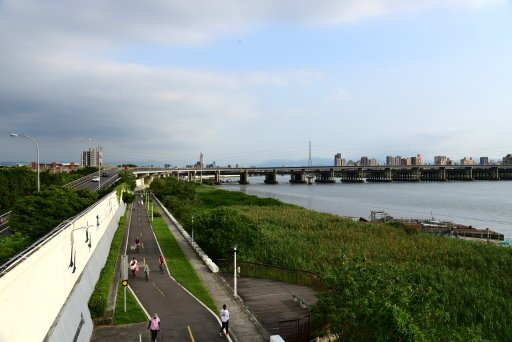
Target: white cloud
54	77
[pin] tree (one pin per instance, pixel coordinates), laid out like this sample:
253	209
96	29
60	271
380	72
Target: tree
218	230
36	215
128	178
128	197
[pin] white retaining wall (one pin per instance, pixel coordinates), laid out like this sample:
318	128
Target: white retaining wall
43	297
211	265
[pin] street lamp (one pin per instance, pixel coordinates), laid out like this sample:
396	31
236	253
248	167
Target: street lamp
234	273
37	149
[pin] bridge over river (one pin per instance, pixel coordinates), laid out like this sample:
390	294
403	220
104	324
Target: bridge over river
354	174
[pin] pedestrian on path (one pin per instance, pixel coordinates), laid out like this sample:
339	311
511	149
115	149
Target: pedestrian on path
224	318
154	327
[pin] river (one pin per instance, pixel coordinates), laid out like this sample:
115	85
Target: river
480	204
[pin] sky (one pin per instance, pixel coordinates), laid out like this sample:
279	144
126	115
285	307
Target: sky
248	82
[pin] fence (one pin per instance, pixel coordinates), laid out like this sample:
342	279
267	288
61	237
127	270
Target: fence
284	274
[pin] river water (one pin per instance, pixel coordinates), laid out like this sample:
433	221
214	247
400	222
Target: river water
480	204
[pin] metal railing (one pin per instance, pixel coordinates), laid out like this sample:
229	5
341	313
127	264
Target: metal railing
5	217
284	274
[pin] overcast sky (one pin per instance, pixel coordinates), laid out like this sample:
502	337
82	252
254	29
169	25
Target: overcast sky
249	81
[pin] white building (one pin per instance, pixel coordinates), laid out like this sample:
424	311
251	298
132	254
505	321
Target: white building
92	157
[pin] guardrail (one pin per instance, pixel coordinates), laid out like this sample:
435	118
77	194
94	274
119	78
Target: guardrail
77	182
284	274
5	217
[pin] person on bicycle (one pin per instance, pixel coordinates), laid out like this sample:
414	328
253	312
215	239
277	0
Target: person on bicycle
146	271
134	266
137	244
161	264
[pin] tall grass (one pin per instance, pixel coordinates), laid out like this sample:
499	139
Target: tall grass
389	282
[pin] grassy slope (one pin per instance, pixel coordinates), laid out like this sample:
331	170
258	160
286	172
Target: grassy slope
179	266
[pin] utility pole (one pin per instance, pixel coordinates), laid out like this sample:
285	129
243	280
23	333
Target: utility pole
310	163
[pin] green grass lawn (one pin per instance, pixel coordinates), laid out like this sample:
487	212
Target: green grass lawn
133	314
179	266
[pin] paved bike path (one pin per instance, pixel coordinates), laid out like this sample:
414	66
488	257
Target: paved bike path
183	318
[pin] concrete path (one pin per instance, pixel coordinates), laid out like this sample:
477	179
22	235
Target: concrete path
183	318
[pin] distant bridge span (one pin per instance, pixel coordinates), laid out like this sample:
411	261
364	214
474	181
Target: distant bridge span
350	174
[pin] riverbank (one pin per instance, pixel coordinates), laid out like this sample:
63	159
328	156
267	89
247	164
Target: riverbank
477	204
395	282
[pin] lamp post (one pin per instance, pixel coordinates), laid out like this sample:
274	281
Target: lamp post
234	273
37	149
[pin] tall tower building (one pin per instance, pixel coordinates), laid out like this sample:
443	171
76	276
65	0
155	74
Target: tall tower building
338	161
92	157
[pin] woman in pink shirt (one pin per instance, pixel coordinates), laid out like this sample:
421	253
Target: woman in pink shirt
154	327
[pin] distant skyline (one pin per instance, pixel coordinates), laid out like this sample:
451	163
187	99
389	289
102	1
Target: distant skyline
161	82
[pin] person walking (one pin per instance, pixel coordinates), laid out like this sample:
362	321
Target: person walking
224	318
154	327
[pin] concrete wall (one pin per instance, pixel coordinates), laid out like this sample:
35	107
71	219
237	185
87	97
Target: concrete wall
43	297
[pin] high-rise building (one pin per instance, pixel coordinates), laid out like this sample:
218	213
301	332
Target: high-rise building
507	160
393	161
442	160
92	157
338	161
466	161
405	161
364	161
418	160
484	160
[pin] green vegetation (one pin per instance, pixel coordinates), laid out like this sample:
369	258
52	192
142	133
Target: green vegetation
17	182
99	298
36	215
387	282
133	314
128	178
178	264
12	245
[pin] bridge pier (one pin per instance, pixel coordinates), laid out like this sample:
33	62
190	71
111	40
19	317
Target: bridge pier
495	173
217	177
350	176
298	177
271	178
325	177
244	177
380	176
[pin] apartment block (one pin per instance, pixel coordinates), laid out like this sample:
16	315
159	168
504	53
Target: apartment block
92	157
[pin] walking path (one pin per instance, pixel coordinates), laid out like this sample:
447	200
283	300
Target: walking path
183	317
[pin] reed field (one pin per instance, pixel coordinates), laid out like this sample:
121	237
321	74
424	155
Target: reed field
387	282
